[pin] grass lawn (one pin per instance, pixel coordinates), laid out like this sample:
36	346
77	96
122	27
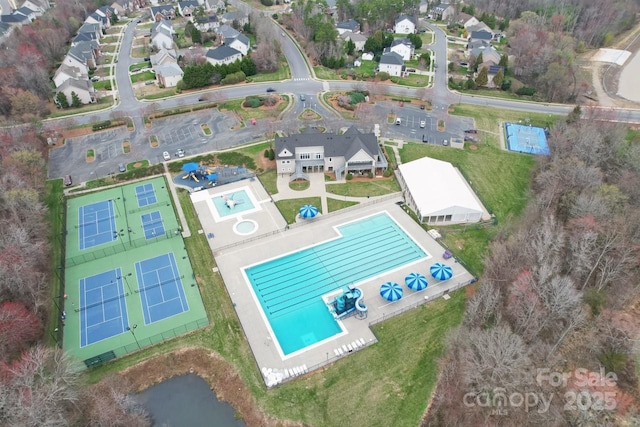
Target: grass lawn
269	180
373	187
141	164
289	208
299	185
103	103
489	119
415	80
427	38
281	73
102	85
144	64
108	48
162	94
142	77
55	205
336	204
254	113
367	67
324	73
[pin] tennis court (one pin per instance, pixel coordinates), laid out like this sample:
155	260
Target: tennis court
146	195
103	312
96	224
132	291
160	287
526	139
152	224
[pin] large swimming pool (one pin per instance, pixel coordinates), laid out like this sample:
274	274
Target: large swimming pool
290	288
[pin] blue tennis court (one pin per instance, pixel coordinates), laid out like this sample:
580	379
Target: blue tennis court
146	195
160	287
97	224
526	139
102	307
152	224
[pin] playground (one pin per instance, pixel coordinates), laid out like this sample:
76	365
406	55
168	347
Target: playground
128	279
198	175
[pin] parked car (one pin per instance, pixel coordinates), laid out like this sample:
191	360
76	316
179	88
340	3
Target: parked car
166	155
180	152
398	121
424	138
121	167
472	131
422	107
423	123
67	181
445	142
147	59
270	89
95	78
302	98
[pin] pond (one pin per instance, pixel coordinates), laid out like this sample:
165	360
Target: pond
187	400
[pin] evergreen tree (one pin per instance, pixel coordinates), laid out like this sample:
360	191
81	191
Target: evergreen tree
504	62
62	100
483	77
75	100
498	79
476	64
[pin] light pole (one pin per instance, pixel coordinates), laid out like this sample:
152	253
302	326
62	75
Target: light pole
131	329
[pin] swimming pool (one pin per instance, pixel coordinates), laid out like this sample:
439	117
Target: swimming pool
289	289
232	203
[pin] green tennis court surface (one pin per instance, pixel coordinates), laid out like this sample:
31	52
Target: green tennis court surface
134	286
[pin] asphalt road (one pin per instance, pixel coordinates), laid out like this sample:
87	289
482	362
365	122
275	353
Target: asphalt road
70	160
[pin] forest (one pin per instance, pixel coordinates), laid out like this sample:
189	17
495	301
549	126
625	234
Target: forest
559	295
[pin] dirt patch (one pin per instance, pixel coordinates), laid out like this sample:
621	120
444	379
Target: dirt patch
264	163
137	165
126	147
75	132
221	376
459	244
473	147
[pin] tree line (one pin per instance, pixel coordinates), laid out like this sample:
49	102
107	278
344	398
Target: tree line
556	294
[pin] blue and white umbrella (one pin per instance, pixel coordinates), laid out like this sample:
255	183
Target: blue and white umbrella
441	271
391	291
190	167
416	281
308	211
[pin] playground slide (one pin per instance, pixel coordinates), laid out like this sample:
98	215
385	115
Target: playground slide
195	178
186	176
360	306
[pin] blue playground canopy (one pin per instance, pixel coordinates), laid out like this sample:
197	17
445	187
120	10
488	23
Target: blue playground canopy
190	167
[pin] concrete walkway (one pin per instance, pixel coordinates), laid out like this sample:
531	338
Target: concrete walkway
185	226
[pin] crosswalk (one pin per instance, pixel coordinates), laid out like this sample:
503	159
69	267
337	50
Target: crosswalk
298	79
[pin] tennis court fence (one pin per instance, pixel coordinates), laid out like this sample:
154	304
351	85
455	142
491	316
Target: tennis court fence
124	243
149	207
143	341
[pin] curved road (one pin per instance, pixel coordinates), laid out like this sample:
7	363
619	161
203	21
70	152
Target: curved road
304	82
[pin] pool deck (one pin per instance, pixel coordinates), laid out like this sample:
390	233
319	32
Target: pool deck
233	253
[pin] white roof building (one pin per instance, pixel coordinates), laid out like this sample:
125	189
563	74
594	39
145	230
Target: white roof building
438	193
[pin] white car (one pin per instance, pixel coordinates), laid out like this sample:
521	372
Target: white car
422	124
180	152
166	155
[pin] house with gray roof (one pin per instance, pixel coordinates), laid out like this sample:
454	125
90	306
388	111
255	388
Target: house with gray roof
188	8
168	74
358	39
162	34
207	23
312	151
480	35
392	63
402	47
66	72
83	88
95	29
236	15
223	55
158	13
96	18
350	25
405	25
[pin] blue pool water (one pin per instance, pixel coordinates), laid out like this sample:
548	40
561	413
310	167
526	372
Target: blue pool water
290	288
240	198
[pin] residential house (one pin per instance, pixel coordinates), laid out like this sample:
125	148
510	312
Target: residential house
464	18
107	11
188	8
29	13
159	13
84	37
478	44
223	55
168	74
348	26
236	16
492	70
392	64
489	55
162	34
423	7
233	38
5	30
81	55
95	18
122	7
368	56
15	19
92	29
38	6
358	40
405	25
402	47
443	12
207	23
66	72
311	151
240	43
83	88
214	5
164	56
480	35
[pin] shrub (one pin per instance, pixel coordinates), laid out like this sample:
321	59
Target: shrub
234	78
267	2
370	174
388	173
270	100
383	75
357	97
506	85
349	176
272	154
526	90
101	125
266	153
252	102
